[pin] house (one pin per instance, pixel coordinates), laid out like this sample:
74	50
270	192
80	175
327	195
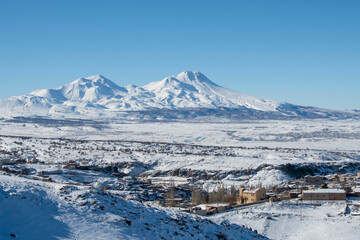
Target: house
324	194
250	196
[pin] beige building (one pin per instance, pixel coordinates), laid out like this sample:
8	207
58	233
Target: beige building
324	194
250	196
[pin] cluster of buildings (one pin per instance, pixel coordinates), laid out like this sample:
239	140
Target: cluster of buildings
331	187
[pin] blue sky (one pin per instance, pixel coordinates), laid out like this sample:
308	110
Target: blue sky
300	51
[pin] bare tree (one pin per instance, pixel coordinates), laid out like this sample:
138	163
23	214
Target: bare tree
233	195
196	197
170	195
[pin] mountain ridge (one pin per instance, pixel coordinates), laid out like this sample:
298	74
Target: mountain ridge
96	96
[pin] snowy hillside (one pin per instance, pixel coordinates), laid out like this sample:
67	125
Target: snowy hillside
35	209
188	95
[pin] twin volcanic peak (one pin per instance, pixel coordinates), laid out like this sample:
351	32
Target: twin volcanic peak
91	89
188	94
187	90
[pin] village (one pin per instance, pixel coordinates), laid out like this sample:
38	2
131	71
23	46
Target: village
310	188
335	187
186	194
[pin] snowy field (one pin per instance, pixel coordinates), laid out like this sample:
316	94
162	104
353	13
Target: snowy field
312	134
165	147
298	220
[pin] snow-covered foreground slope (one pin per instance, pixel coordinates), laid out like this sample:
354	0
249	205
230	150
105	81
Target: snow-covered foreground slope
33	209
188	95
290	220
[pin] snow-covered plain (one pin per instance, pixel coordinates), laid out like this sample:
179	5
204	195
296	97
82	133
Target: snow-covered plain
165	147
249	152
305	134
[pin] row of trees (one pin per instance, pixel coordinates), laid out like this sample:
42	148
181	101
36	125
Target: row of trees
220	194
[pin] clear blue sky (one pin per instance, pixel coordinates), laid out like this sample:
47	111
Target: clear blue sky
299	51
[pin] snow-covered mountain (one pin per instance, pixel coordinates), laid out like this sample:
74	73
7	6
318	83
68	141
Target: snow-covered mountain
194	90
93	89
189	94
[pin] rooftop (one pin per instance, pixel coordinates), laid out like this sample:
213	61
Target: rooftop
324	191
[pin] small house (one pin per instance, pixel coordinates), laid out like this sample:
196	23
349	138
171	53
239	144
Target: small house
250	196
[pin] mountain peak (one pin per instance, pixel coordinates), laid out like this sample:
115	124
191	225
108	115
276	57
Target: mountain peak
96	77
92	79
191	77
92	88
189	74
96	81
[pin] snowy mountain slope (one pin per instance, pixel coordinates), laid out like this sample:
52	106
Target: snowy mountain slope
187	95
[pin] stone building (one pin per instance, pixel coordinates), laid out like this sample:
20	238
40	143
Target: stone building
324	194
250	196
